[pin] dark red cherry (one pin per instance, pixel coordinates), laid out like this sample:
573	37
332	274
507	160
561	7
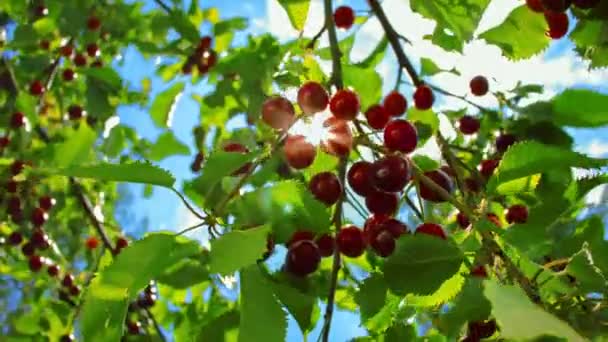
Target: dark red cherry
28	249
300	235
469	124
205	43
358	177
17	167
344	17
494	219
238	148
441	179
504	141
431	229
472	185
395	227
558	24
487	167
92	50
46	202
463	220
383	244
4	141
395	104
303	258
326	187
45	44
80	59
68	75
377	117
326	244
479	271
66	50
93	23
390	174
423	97
67	338
68	280
350	241
121	243
36	262
18	120
479	85
39	239
299	153
92	243
382	203
535	5
585	4
278	112
37	88
41	11
11	186
39	217
517	214
53	270
556	5
345	104
75	112
15	239
373	226
400	135
312	98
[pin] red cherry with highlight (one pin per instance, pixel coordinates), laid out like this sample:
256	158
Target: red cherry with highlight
390	174
299	153
358	177
479	85
441	179
504	141
377	117
278	112
303	258
469	124
326	244
66	51
339	139
75	112
431	229
463	220
15	239
92	243
345	104
395	227
93	23
558	24
312	98
382	203
300	235
134	328
517	214
92	50
68	75
39	217
41	11
395	104
37	88
350	241
46	202
36	262
535	5
373	226
53	270
238	148
400	135
80	59
487	167
18	120
384	244
423	98
479	271
326	187
344	17
68	280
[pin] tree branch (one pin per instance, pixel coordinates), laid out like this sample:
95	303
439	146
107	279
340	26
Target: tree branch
164	6
336	54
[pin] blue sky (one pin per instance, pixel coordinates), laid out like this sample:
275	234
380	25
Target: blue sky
557	68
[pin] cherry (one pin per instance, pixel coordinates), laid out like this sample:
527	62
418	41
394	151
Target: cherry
53	270
312	98
373	226
345	104
326	244
431	229
339	139
75	112
121	243
15	239
358	178
504	141
381	203
187	68
585	4
67	338
344	17
68	75
299	153
207	60
46	202
18	120
390	174
238	148
39	239
68	280
11	186
93	23
395	104
469	124
463	220
39	217
441	179
556	5
395	227
326	187
278	112
479	85
303	258
558	24
472	185
4	141
17	167
134	328
479	330
14	204
80	59
300	235
494	219
517	214
41	11
45	44
28	249
487	167
74	290
37	88
198	162
535	5
377	117
36	262
97	64
384	244
270	244
204	44
400	135
350	241
92	50
66	50
479	271
92	243
423	97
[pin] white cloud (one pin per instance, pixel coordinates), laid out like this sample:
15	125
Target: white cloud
597	148
184	219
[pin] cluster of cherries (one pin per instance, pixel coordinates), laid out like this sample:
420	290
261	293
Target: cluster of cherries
203	57
146	299
555	12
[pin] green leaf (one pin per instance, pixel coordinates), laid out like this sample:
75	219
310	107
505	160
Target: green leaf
366	81
180	22
224	32
76	148
301	305
136	172
521	35
371	296
185	274
376	56
519	318
108	296
97	100
428	67
470	305
237	249
44	26
259	307
105	76
167	145
163	106
587	274
460	18
528	158
297	11
448	290
589	36
425	163
580	108
432	260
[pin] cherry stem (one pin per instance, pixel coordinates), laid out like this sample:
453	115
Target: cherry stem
187	204
313	41
157	326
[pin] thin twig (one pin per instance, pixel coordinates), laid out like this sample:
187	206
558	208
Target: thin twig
164	6
313	41
462	98
194	212
191	228
411	204
157	326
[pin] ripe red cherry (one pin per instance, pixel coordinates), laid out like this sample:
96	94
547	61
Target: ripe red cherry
384	244
67	338
469	124
339	139
92	243
238	148
53	270
28	249
4	141
312	98
535	5
197	164
441	179
17	120
74	290
46	202
68	280
326	187
344	17
504	141
479	86
278	112
558	24
303	258
345	104
390	174
204	44
41	11
66	50
463	220
381	203
480	330
80	59
517	214
431	229
92	50
299	153
358	177
487	167
494	219
377	117
326	244
479	271
350	241
373	226
36	262
68	75
17	167
556	5
121	243
423	97
45	44
395	227
37	88
39	217
300	235
75	112
395	104
14	204
97	64
400	135
93	23
39	239
472	185
15	239
585	4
